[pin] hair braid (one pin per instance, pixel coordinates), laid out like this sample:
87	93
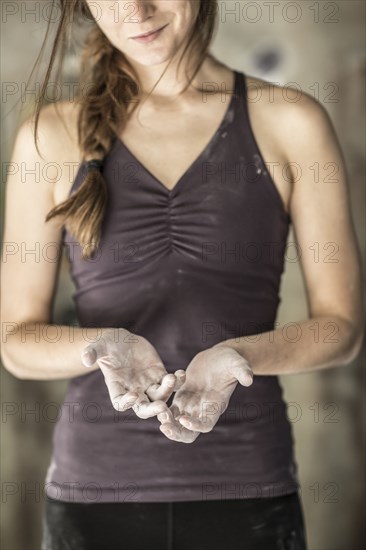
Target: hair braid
98	117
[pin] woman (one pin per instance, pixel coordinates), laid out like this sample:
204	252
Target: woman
174	432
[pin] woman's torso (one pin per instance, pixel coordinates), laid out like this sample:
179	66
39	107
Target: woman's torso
186	268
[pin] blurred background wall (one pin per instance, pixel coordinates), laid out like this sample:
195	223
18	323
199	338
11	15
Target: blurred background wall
319	47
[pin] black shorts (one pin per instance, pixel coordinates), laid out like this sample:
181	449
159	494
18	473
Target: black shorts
271	523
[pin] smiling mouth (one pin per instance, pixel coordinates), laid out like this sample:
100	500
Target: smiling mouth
149	33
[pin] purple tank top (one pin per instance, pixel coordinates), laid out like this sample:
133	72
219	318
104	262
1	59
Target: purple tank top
186	269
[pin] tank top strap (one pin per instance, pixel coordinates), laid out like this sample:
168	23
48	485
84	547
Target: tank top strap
244	133
241	92
241	120
238	84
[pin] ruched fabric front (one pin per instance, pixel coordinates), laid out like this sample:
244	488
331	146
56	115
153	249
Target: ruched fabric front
186	269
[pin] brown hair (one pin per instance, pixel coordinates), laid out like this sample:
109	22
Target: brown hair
112	84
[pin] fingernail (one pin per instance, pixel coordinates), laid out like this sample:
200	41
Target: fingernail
164	416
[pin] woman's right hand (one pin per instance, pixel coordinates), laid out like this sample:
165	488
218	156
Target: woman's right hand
133	372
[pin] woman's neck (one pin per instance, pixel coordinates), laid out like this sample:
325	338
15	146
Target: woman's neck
173	82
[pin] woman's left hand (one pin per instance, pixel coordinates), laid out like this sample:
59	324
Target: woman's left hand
211	378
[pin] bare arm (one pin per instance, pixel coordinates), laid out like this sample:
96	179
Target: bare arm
330	259
31	347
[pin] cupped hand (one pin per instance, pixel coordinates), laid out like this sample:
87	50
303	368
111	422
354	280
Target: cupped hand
133	372
211	378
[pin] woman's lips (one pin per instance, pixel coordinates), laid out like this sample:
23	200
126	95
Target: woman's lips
149	37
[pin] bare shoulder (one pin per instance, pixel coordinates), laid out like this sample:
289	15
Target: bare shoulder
292	113
58	152
57	130
290	102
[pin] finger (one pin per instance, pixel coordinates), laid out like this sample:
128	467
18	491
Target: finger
166	417
120	397
242	372
163	390
90	353
196	425
172	429
169	420
180	376
144	408
89	356
124	402
178	433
